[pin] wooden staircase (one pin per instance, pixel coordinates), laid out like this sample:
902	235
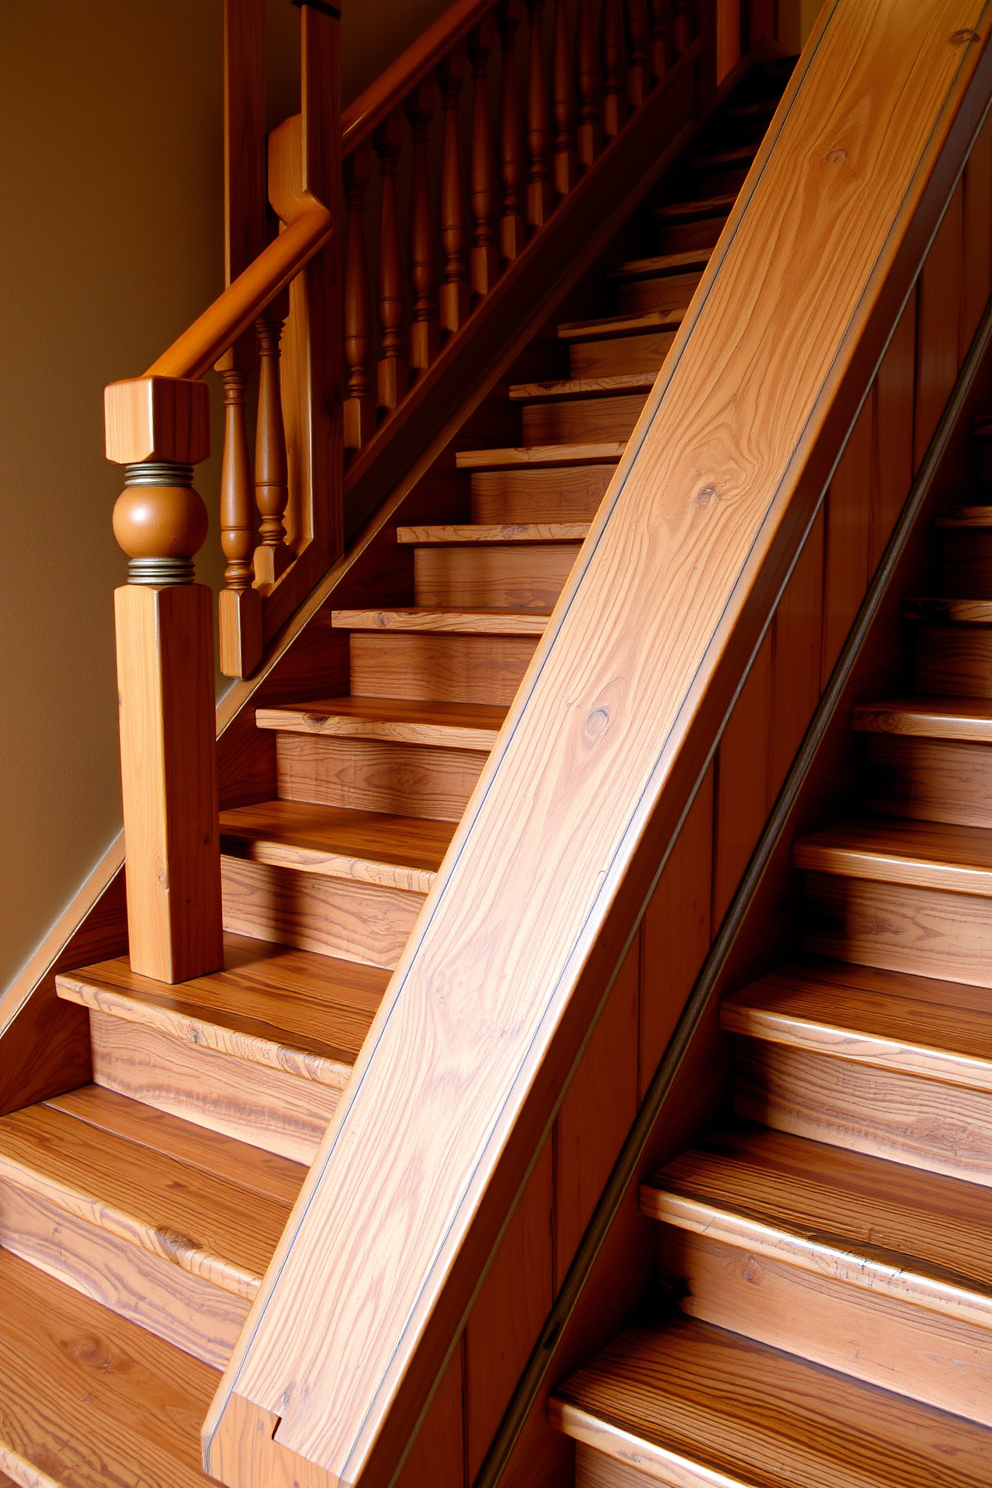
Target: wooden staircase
825	1308
138	1214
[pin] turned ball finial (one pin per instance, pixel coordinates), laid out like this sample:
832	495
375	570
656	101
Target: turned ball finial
160	521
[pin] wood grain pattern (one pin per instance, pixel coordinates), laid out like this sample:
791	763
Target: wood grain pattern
931	779
936	718
606	356
742	780
514	577
938	328
610	327
580	387
373	775
795	662
976	279
573	494
847	536
894	393
438	1451
444	725
478	622
666	294
581	419
926	854
541	454
503	532
440	668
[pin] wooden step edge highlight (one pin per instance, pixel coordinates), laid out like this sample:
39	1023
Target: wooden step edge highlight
933	719
902	1277
583	387
931	1062
944	611
168	1244
326	863
709	206
662	264
541	454
610	326
719	159
444	622
495	535
346	726
965	516
189	1028
889	866
653	1460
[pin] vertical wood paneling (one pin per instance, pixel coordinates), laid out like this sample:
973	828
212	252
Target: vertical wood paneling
938	330
894	393
437	1457
675	934
796	642
742	780
976	282
848	526
509	1311
597	1113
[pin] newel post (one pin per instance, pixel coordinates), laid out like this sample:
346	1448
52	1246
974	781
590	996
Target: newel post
158	429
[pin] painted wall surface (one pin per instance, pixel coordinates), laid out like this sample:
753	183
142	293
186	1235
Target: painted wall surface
110	244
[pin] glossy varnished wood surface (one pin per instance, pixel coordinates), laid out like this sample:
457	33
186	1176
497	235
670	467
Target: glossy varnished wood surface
452	725
934	718
934	855
444	622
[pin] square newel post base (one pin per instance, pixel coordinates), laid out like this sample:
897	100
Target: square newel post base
165	679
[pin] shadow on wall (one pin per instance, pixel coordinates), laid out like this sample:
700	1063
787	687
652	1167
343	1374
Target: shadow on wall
110	214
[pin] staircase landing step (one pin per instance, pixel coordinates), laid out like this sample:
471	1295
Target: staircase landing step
483	533
446	622
449	725
694	1405
932	855
967	719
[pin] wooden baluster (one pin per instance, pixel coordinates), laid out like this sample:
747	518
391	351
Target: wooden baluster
393	372
683	28
239	605
513	226
540	193
589	134
159	428
612	64
424	337
659	40
359	404
637	52
454	290
566	169
272	556
484	257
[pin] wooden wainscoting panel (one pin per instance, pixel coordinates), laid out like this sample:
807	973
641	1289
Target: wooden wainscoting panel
742	780
597	1113
848	526
437	1457
796	646
976	284
675	933
894	394
938	331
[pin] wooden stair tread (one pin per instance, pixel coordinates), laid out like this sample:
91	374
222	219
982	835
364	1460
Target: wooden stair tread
541	454
965	516
693	1395
622	325
872	1019
968	719
952	611
762	108
583	387
708	206
212	1153
716	159
273	1005
207	1225
87	1398
481	532
454	725
926	854
662	263
916	1236
445	622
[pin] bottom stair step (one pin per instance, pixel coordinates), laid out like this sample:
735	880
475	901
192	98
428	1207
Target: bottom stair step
87	1398
693	1406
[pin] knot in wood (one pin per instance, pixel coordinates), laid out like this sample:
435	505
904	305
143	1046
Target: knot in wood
836	156
705	496
597	723
963	38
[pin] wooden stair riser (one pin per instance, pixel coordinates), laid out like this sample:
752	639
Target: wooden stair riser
580	420
644	352
680	237
900	927
966	562
873	1337
368	775
440	668
942	780
334	916
517	576
186	1310
720	181
954	660
660	292
282	1113
925	1124
570	495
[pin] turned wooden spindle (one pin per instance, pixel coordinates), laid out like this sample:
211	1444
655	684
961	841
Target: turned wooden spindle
683	28
658	39
393	372
588	137
240	606
540	193
637	52
613	111
424	337
566	165
454	300
484	257
272	556
359	403
513	225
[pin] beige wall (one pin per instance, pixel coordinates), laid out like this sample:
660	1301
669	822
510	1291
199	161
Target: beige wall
110	220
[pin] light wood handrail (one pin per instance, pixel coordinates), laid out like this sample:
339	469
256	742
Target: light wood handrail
192	353
614	723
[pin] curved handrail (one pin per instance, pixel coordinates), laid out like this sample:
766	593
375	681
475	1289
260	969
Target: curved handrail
400	78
